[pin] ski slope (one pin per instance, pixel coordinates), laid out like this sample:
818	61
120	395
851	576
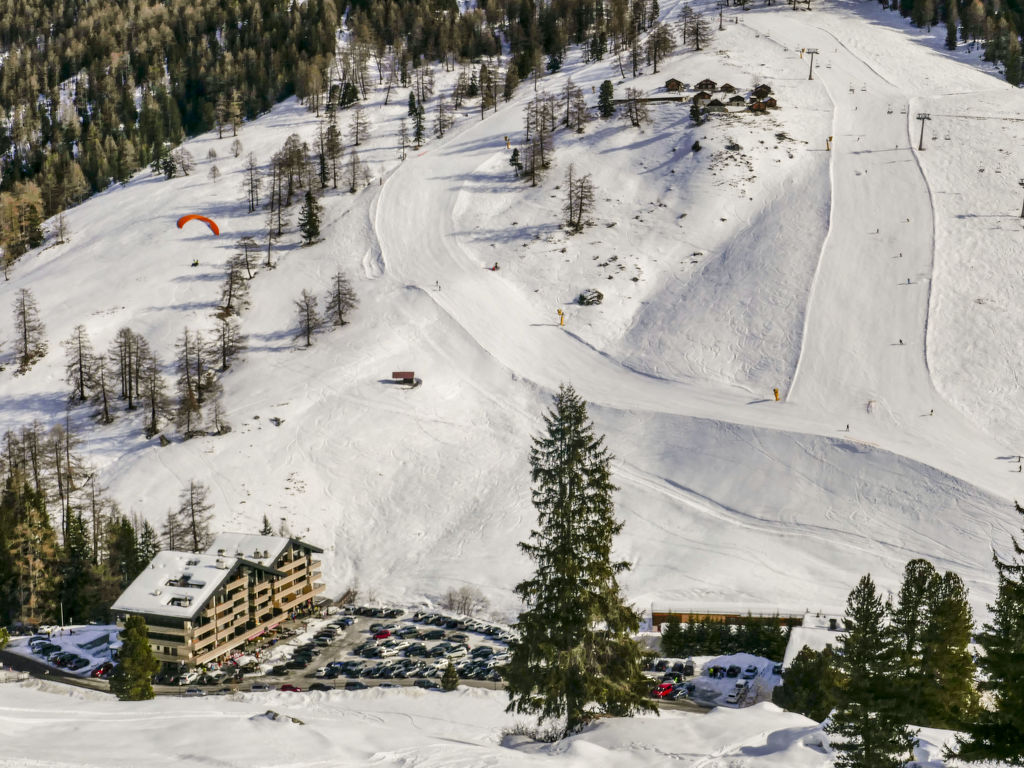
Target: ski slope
726	273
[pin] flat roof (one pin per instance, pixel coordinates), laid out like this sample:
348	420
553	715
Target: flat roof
176	584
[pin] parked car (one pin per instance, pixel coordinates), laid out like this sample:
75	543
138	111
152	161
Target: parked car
777	669
688	668
195	692
662	690
355	685
732	671
433	634
256	687
289	688
320	687
430	685
750	672
382	634
679	692
103	670
78	664
279	670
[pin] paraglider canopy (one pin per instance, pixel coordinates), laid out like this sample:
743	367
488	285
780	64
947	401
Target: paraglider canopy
209	222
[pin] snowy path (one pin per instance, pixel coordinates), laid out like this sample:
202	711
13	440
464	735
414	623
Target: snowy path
865	376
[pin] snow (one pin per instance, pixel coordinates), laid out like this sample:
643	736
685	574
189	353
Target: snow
257	549
785	272
162	588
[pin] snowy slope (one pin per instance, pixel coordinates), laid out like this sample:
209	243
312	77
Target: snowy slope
730	499
398	727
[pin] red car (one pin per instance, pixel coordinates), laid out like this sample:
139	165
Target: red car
103	670
290	688
384	634
662	690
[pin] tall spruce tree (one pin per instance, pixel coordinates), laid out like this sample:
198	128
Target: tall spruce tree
575	655
812	684
870	732
131	678
309	218
672	638
908	621
997	733
950	697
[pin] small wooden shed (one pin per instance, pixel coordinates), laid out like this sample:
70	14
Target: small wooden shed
673	85
716	106
762	90
707	85
701	97
771	103
727	88
758	106
737	100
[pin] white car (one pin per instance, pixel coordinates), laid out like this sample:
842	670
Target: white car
189	677
457	652
386	652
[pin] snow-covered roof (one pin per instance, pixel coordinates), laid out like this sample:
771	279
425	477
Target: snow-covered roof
176	584
815	633
257	549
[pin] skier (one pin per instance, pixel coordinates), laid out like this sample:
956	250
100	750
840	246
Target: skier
931	412
495	267
847	427
908	281
437	284
901	342
195	262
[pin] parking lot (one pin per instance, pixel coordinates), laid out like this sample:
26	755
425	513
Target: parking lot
372	647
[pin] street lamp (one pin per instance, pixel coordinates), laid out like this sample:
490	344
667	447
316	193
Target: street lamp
812	51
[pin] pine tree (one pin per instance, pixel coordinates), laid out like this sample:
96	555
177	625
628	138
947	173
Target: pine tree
909	617
29	331
78	370
812	684
450	678
309	218
131	678
333	145
672	638
194	516
308	317
950	698
575	650
870	733
266	529
234	293
341	299
149	543
997	732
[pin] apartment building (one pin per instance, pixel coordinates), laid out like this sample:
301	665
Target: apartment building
200	607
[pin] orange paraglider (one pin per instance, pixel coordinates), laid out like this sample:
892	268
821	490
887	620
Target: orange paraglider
209	222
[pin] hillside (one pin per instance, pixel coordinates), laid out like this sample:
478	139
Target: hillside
777	264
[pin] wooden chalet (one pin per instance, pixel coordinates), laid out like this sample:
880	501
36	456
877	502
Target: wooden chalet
758	106
673	85
716	106
727	88
737	100
707	85
761	91
701	97
771	103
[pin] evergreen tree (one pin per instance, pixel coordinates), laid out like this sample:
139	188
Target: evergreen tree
997	732
575	653
450	678
672	638
812	684
4	638
309	218
909	617
341	299
870	733
131	678
149	543
950	698
77	579
266	529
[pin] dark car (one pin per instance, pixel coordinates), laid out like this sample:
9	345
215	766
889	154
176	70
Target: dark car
78	664
280	669
297	664
394	613
777	669
430	685
320	687
355	685
672	677
416	649
732	671
661	665
688	669
433	634
482	652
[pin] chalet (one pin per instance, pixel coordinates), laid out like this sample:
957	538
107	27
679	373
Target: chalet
737	100
716	106
727	88
761	91
758	106
200	606
706	85
771	103
673	85
701	98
